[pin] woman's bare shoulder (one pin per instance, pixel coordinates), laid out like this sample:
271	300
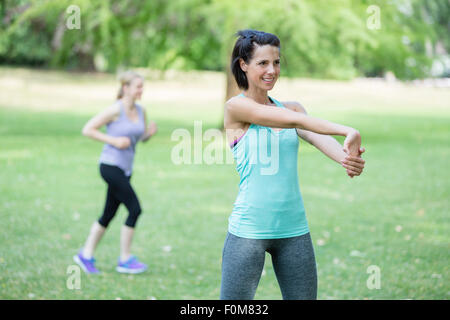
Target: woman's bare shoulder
110	113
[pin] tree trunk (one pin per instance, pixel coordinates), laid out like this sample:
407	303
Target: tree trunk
59	33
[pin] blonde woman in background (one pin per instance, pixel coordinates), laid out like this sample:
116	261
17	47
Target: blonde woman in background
126	125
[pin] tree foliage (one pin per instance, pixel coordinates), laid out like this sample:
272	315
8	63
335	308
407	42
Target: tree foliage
319	38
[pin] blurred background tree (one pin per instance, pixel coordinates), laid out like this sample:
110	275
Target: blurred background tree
320	39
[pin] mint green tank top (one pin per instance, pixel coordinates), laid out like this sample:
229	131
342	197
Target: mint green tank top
269	204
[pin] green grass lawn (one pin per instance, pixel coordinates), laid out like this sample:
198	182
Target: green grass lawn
394	216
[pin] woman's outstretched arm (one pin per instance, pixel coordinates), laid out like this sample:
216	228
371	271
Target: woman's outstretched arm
243	109
329	146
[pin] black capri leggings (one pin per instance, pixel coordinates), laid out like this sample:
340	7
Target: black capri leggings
119	191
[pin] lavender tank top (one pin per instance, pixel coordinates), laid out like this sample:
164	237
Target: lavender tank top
123	127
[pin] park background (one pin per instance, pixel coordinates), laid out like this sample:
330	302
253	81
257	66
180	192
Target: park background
379	66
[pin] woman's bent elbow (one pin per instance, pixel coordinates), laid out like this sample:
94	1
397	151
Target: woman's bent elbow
85	132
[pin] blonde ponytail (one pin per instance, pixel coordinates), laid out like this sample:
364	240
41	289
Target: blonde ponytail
125	78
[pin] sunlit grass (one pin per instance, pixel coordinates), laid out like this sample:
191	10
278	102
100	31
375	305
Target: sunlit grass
394	216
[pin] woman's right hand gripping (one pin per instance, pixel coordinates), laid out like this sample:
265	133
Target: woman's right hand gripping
352	147
352	143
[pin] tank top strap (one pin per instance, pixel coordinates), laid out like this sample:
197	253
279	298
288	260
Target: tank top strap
278	103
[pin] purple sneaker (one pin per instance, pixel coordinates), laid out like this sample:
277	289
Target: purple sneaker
86	264
132	265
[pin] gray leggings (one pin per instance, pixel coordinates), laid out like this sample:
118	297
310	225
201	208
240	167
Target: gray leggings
292	258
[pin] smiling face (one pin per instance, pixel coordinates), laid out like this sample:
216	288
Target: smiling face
134	89
263	69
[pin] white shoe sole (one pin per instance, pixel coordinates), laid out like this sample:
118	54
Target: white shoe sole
126	270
